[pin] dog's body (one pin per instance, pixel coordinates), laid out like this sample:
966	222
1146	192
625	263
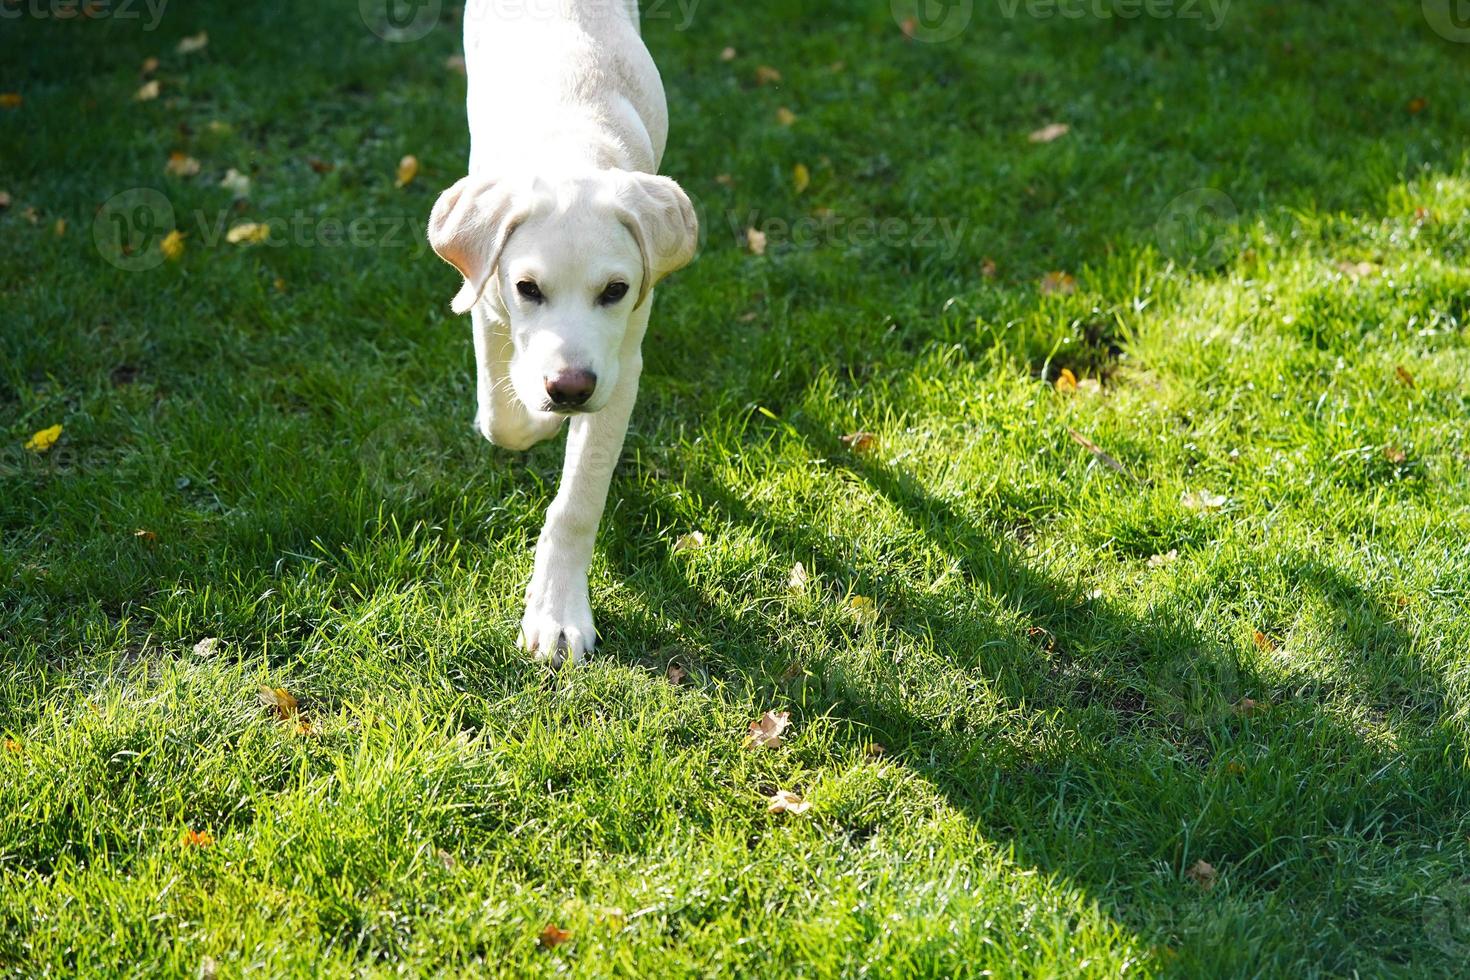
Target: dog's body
561	233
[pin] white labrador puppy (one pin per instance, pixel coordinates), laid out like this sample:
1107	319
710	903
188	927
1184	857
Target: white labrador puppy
561	231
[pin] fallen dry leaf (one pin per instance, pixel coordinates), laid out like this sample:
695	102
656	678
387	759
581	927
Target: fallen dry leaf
145	535
785	116
1358	270
675	674
181	165
1066	381
1263	642
1202	873
278	700
798	578
1058	283
692	541
988	268
865	610
248	233
408	169
552	937
43	441
147	92
208	968
4	200
455	63
860	442
11	100
801	178
209	646
729	54
1402	373
875	750
59	229
1203	501
236	183
765	731
1248	706
1049	133
766	75
1394	455
31	215
172	245
445	859
724	180
1417	106
12	746
1234	769
320	166
755	241
1102	456
910	27
197	838
193	43
150	65
786	801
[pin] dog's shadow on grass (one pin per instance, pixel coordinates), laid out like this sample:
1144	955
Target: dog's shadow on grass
1146	688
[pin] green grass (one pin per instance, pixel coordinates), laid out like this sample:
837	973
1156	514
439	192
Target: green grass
1062	716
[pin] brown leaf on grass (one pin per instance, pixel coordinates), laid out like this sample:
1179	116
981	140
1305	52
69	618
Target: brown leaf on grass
1058	283
208	968
1263	642
197	838
785	801
861	443
181	165
31	215
1395	455
988	268
875	750
755	241
4	200
146	536
320	166
552	936
147	92
786	117
1202	873
801	178
1417	106
729	54
279	700
1247	707
446	860
724	180
1402	373
12	746
11	100
675	674
766	75
193	43
455	63
408	169
150	65
1234	769
1050	133
765	731
910	27
59	228
1100	454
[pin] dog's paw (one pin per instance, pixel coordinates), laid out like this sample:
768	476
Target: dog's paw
557	626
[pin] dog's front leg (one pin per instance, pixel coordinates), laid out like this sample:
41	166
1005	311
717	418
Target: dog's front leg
558	622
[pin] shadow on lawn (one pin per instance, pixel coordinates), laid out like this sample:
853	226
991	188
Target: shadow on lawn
1150	689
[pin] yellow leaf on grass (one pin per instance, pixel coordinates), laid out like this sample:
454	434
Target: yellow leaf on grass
42	441
12	746
785	116
145	535
1202	873
875	750
59	228
408	169
801	177
4	200
863	609
1066	381
1263	642
248	233
181	165
860	442
692	541
193	43
150	65
766	75
172	245
197	838
11	100
147	92
765	731
279	700
785	801
1402	373
1047	134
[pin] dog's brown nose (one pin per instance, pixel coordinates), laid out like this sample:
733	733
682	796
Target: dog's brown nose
571	389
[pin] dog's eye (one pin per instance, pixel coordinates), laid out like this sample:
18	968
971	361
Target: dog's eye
614	292
529	290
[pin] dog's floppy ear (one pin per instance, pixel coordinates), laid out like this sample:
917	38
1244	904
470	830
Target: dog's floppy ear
469	228
662	219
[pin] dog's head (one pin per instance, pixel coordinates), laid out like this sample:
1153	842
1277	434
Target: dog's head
567	264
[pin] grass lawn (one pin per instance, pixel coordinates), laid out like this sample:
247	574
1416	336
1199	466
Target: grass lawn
1208	716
